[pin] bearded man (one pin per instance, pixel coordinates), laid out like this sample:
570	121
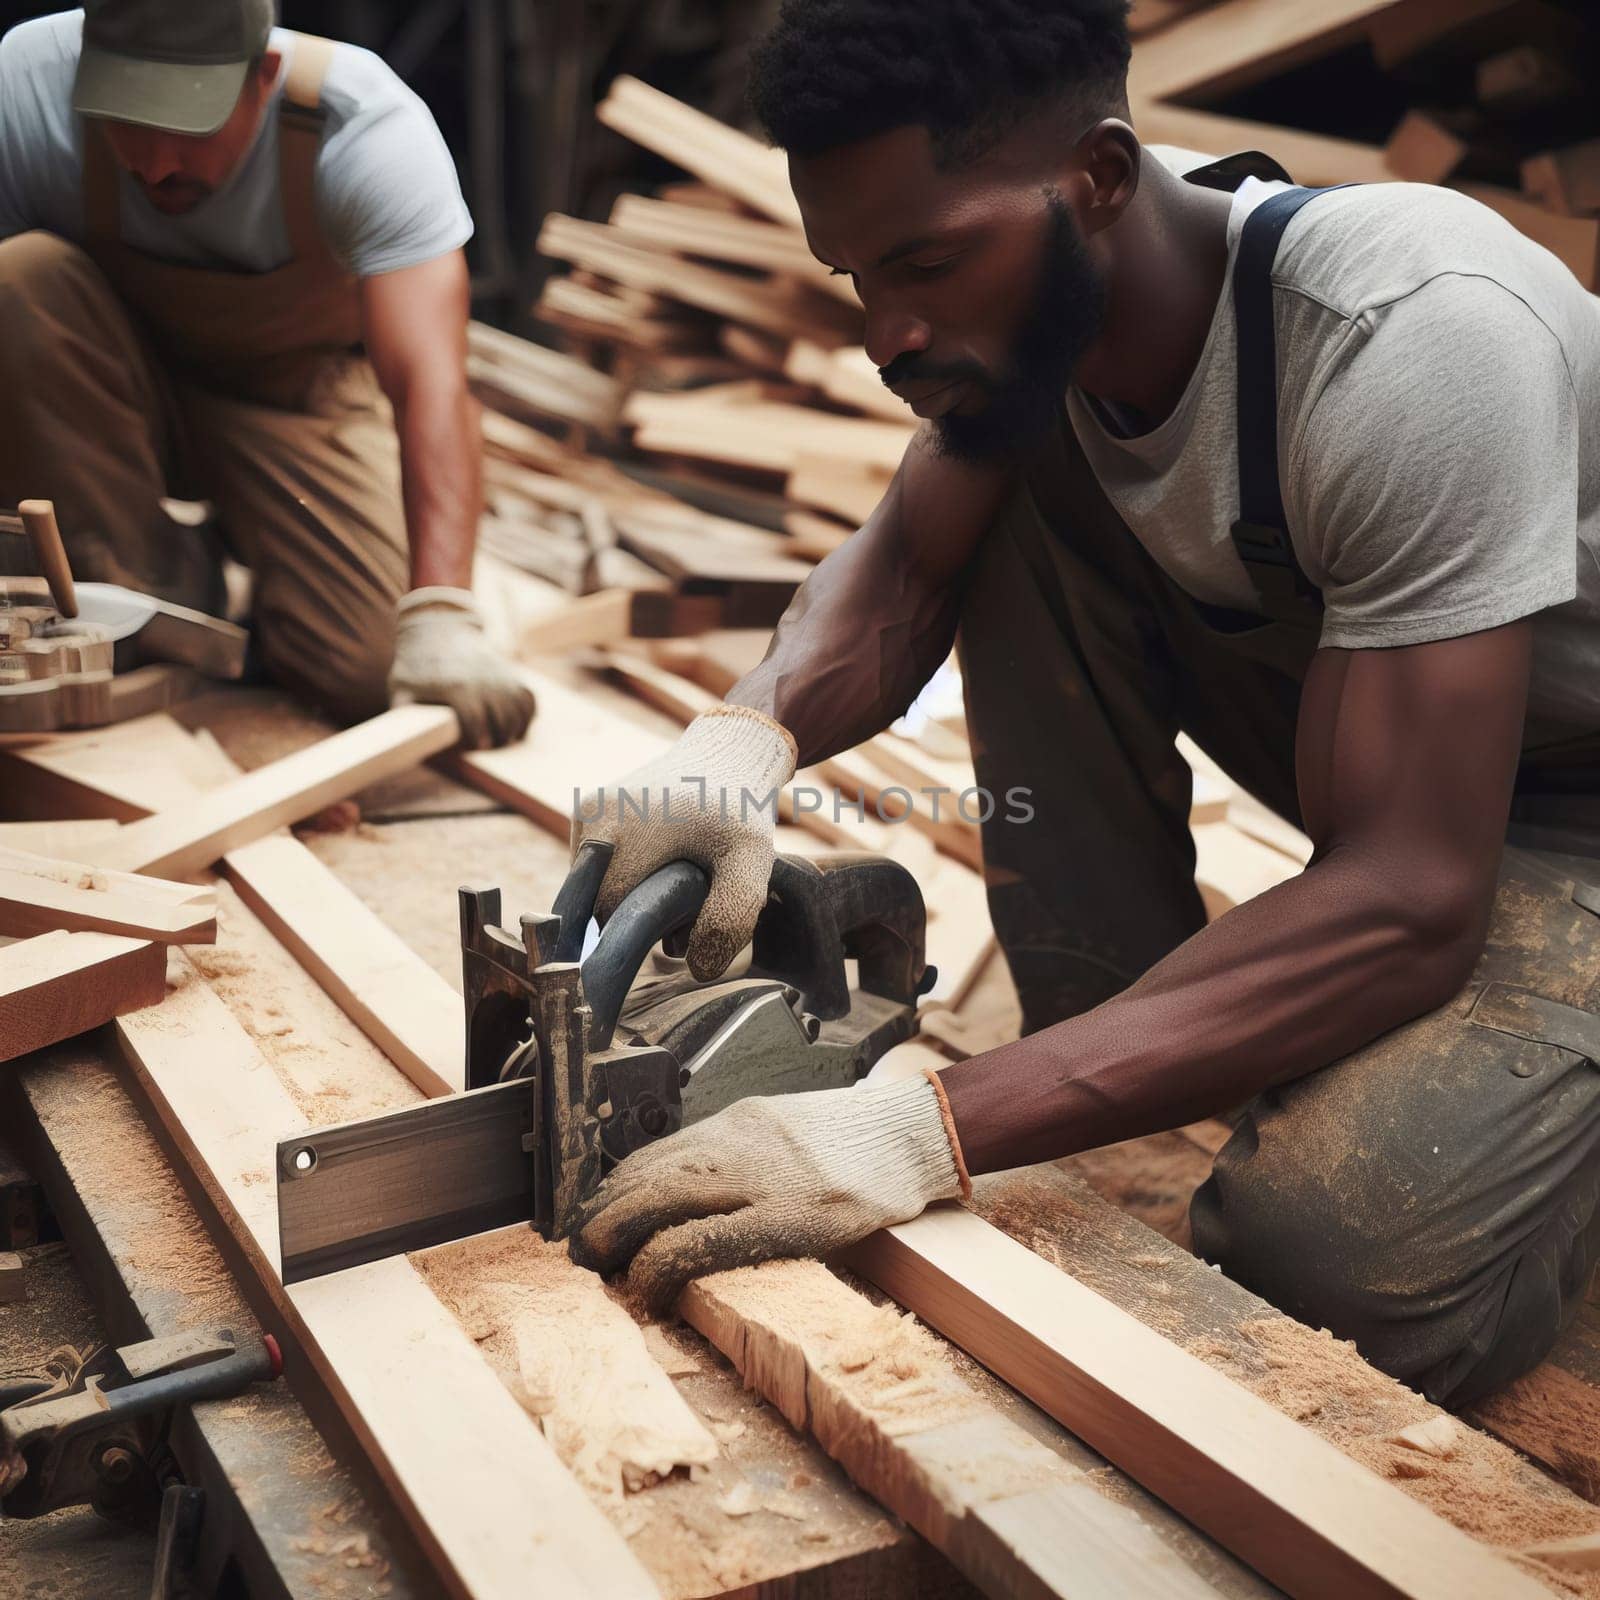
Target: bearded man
1313	476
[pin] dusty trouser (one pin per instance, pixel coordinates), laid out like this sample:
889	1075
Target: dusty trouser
124	379
1434	1196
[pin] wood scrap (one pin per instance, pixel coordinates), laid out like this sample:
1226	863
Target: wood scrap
879	1396
720	156
367	969
200	832
573	1357
39	895
56	985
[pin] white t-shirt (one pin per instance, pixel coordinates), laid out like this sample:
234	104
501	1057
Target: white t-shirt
386	190
1439	435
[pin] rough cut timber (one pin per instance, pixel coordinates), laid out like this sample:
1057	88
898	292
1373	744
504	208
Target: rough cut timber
478	1485
1301	1513
200	832
61	984
882	1399
394	996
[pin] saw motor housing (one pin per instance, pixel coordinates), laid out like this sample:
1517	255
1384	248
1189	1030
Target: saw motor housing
571	1065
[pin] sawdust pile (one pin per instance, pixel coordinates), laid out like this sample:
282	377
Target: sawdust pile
128	1183
572	1357
330	1069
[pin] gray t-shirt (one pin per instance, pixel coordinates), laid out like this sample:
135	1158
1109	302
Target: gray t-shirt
387	193
1439	435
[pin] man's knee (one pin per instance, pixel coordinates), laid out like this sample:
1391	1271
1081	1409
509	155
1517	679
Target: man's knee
41	276
1431	1293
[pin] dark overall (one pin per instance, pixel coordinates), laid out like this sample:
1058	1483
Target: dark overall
1434	1196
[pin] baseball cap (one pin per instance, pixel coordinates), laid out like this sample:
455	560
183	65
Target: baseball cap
172	64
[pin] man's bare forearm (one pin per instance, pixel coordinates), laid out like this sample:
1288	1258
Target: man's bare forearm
441	479
1405	760
1280	986
873	622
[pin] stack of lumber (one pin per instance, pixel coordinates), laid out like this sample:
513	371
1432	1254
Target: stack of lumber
1494	99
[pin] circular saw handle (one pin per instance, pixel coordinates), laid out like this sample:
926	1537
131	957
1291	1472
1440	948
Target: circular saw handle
667	900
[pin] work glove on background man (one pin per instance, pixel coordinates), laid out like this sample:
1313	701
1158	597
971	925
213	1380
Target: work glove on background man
777	1175
700	801
441	657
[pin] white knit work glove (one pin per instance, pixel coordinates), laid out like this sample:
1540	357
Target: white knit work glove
442	658
774	1175
707	800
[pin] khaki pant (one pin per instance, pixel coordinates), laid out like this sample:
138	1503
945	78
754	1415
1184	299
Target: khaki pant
1434	1196
309	500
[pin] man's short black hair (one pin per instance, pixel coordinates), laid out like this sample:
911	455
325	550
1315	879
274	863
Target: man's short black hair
832	72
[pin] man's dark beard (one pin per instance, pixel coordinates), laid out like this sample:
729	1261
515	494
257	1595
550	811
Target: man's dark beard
1024	402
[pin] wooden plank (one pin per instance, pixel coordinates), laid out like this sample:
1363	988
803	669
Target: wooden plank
62	839
476	1482
192	836
574	1357
848	376
716	154
880	1396
722	236
851	490
763	305
1242	41
32	903
61	984
394	996
1303	1514
768	435
124	772
1310	158
1399	32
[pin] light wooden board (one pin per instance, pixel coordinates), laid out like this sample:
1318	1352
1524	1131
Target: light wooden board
193	835
880	1396
790	314
724	236
718	155
768	435
1303	1514
61	984
394	996
77	901
475	1479
1228	45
